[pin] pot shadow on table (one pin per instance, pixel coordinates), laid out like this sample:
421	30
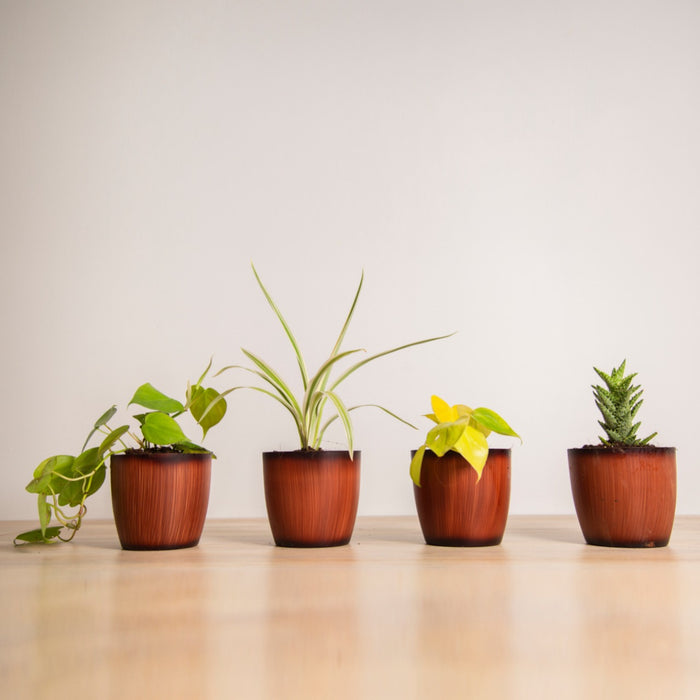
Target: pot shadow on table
386	530
240	531
557	529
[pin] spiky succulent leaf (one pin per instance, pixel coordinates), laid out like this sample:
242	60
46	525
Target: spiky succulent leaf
619	401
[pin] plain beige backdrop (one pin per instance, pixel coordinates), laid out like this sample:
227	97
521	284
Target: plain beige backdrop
524	173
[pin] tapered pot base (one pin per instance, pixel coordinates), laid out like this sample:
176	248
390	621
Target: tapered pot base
160	500
624	498
311	497
456	510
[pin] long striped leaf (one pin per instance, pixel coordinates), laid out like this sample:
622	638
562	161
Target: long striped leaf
275	379
315	419
319	377
262	376
363	405
339	341
295	415
287	329
357	366
344	417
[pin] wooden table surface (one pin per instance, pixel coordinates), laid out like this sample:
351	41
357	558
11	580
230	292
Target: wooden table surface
541	616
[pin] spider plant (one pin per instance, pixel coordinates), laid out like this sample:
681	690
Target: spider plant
308	408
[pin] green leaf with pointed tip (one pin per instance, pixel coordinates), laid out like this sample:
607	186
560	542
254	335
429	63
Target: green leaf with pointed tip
86	462
491	420
71	493
444	436
149	397
109	441
102	420
160	429
44	513
473	447
58	484
97	480
50	464
208	407
416	464
38	536
44	473
188	447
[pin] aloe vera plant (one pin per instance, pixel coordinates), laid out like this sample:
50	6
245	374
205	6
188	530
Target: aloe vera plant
308	408
66	481
461	429
619	401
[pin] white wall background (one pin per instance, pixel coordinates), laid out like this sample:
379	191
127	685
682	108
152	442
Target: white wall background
523	172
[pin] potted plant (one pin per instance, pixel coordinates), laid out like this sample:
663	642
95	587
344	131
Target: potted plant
160	486
462	489
624	489
312	494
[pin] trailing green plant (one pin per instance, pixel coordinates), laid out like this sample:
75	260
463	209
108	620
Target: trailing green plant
461	429
619	401
318	389
66	481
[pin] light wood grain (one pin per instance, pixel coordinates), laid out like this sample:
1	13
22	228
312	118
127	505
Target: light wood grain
541	616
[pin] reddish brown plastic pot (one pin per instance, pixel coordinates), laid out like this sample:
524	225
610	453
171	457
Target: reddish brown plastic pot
456	510
624	498
160	499
311	496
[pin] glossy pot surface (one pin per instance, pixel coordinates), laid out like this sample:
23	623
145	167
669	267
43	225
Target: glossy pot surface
456	510
160	500
624	498
311	496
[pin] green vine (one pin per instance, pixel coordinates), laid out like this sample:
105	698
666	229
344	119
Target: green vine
66	481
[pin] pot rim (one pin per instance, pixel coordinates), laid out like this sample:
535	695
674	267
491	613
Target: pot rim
312	454
496	450
160	456
632	449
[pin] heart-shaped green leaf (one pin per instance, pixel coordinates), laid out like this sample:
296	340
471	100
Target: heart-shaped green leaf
160	429
109	441
208	407
443	437
44	473
37	535
97	480
149	397
473	447
491	420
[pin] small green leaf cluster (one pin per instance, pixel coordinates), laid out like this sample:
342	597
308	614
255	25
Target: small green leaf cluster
308	409
66	481
461	429
619	402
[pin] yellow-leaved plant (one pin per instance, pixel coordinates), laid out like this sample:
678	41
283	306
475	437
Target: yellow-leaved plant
461	429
